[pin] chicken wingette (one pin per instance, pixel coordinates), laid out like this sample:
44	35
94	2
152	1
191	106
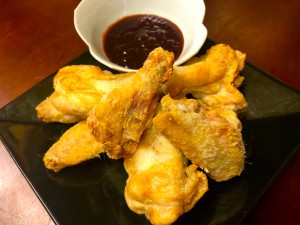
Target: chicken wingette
160	182
213	78
210	137
77	89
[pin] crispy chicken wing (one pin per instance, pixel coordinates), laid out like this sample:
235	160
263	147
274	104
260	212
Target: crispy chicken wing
210	137
161	184
77	89
121	116
75	146
212	79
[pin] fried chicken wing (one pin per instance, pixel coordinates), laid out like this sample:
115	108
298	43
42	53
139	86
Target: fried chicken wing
75	146
161	184
77	89
212	78
121	116
204	135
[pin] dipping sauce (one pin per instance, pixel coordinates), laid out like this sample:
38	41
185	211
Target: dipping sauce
128	41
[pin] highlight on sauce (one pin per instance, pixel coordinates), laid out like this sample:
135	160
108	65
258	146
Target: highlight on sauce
128	41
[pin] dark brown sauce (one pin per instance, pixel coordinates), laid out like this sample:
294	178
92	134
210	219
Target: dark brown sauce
128	41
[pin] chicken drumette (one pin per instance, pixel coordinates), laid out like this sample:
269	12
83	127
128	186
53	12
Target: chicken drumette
122	114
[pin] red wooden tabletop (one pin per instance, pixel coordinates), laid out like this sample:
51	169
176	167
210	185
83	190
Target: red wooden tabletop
37	38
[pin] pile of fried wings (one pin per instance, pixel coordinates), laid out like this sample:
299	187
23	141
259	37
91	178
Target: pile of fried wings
172	125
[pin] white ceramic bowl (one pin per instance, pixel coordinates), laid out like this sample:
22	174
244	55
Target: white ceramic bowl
92	18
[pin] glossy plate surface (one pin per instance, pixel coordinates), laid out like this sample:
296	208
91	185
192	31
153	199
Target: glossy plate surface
92	193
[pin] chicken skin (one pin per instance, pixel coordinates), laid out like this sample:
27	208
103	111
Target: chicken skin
213	78
75	146
210	140
161	184
77	89
121	116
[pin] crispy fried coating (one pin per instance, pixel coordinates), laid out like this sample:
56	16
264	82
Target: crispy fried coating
121	116
75	146
77	89
161	184
212	78
204	135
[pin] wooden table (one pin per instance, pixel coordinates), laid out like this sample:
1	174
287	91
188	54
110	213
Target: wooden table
37	38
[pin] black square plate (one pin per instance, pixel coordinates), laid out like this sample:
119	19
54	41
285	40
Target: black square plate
92	193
